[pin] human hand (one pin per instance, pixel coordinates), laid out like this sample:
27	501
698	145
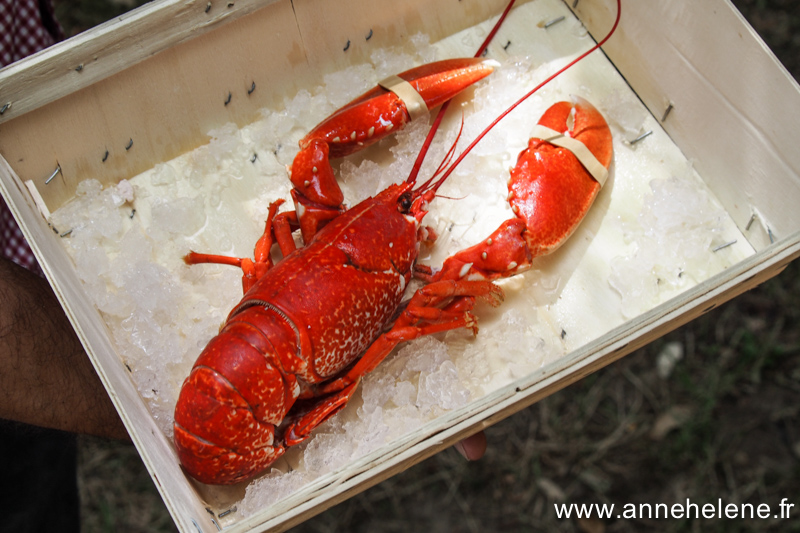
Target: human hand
473	447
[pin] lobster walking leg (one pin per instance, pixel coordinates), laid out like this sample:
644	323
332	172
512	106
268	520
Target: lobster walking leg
550	191
421	317
302	423
252	270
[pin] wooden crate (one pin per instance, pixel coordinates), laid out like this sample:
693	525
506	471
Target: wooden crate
160	75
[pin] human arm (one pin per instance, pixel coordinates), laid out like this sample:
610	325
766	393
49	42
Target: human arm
46	379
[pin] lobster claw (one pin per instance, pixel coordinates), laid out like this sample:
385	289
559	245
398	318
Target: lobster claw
366	120
376	113
313	176
551	188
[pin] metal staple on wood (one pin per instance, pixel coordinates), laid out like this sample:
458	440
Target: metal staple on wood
223	514
53	175
554	21
721	246
667	112
640	137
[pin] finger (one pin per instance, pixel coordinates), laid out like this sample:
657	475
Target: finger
473	447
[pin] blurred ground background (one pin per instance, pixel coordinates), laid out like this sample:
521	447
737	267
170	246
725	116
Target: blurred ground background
724	423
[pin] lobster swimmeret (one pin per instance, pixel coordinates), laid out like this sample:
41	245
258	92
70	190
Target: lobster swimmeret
293	351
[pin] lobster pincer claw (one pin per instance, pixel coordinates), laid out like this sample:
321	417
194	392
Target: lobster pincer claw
390	105
551	188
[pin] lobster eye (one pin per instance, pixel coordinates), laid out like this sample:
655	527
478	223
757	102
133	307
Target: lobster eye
404	202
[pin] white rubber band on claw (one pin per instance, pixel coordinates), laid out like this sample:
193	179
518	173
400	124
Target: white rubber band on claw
406	92
584	155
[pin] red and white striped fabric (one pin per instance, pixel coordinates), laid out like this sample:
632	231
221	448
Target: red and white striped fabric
26	26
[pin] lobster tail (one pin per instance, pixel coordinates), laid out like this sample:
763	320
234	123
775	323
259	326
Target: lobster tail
207	399
231	402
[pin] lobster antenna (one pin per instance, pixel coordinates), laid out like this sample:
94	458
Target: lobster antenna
502	115
412	177
446	159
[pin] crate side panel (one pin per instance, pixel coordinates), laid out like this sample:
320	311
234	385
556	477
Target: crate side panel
157	109
104	50
729	101
337	34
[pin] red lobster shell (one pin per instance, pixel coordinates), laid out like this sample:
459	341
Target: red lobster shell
293	351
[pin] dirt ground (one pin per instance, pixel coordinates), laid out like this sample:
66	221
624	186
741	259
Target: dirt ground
723	425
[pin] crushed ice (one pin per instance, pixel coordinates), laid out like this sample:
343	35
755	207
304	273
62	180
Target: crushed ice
672	236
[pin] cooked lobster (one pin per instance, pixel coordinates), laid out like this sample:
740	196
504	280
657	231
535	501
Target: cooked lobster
292	352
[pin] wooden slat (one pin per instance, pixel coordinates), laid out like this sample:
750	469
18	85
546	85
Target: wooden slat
327	27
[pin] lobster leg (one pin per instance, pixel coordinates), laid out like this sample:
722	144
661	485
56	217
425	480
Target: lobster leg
282	226
550	191
421	317
252	270
364	121
301	426
330	398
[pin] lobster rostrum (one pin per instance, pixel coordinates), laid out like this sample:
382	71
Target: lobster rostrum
291	354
